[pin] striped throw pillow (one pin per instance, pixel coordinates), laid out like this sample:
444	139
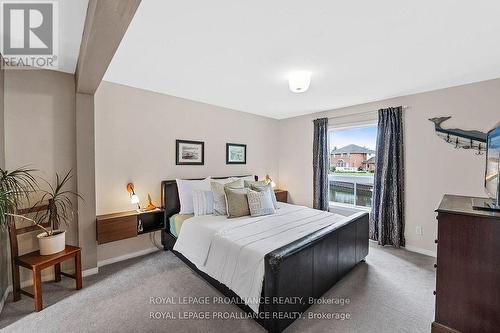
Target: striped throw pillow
203	202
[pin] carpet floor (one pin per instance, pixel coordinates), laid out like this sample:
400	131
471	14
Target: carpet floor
390	292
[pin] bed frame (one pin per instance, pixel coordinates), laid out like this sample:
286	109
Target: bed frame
307	267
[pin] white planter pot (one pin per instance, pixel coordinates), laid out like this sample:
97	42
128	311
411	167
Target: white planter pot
52	244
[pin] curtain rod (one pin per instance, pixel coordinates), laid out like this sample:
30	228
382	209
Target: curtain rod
360	113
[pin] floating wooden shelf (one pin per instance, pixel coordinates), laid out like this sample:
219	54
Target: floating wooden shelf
123	225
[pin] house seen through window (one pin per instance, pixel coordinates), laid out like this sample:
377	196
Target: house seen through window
352	165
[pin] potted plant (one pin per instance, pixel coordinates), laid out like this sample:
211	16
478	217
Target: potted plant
59	210
15	188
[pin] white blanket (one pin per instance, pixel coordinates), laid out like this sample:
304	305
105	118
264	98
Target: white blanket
232	251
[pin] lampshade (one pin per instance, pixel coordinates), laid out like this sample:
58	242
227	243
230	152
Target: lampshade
268	180
134	199
299	81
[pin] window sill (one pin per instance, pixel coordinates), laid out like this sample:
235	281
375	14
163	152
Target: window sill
346	207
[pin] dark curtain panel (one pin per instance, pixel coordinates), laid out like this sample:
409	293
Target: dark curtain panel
321	164
387	216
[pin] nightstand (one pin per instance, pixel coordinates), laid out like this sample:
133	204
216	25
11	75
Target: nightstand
117	226
281	195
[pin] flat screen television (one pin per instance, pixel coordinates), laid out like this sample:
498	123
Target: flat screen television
492	181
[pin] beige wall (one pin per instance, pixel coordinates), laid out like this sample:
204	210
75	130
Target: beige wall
4	266
40	130
2	130
433	167
135	131
135	135
85	160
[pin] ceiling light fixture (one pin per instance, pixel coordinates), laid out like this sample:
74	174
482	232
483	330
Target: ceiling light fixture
299	81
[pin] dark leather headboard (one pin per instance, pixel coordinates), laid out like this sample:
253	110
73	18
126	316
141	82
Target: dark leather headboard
170	195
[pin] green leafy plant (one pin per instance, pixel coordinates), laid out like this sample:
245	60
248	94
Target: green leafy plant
7	205
59	207
15	189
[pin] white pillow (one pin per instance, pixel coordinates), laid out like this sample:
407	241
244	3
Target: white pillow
186	188
203	202
223	181
247	178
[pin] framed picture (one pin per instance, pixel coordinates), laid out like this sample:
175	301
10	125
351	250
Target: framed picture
189	152
236	153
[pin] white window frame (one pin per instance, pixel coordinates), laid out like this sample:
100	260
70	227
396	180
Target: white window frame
371	121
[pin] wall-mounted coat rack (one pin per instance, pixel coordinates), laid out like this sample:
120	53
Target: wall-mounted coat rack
459	138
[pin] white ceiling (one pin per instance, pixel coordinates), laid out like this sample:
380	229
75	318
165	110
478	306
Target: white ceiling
71	22
237	54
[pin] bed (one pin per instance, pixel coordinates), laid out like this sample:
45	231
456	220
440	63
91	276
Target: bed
319	249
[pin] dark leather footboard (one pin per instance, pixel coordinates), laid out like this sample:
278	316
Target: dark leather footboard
305	268
310	266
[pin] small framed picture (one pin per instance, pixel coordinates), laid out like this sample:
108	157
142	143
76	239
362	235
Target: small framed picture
236	153
189	152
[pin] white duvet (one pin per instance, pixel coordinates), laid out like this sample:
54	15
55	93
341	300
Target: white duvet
232	251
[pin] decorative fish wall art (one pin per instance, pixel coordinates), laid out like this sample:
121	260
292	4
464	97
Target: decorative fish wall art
461	139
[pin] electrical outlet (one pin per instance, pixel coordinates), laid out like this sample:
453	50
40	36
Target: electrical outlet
418	230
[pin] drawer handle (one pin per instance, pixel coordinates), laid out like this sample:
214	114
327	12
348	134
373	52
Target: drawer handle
434	292
435	265
436	241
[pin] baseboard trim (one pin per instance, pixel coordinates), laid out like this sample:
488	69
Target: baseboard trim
421	251
109	261
90	271
126	256
8	290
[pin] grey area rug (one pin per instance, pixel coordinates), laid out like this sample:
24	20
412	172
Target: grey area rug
391	292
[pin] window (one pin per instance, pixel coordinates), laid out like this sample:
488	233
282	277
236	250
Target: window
351	165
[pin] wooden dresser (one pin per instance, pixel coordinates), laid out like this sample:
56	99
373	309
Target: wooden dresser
468	268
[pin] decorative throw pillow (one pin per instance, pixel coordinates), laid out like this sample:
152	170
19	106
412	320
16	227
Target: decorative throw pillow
185	187
220	196
203	202
246	178
237	202
224	180
260	203
269	188
249	183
